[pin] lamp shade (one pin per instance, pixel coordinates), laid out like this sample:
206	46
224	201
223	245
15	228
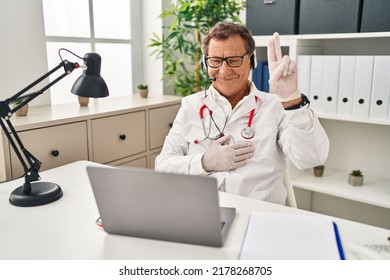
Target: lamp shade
90	83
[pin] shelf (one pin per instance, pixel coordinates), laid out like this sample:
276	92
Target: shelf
335	183
351	119
288	40
352	140
71	112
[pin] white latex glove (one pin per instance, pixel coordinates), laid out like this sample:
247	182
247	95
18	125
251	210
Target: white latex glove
222	157
283	72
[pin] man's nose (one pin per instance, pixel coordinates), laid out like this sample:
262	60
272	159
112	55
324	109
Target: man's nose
224	66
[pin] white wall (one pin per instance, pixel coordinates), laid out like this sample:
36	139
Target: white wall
152	68
22	51
22	47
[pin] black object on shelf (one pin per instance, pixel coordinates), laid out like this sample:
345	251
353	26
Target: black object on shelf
329	16
375	16
264	17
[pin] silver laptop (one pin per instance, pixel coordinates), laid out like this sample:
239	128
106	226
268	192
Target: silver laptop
165	206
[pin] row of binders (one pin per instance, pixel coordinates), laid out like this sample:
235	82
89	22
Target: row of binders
356	87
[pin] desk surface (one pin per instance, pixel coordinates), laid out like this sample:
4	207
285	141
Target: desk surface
66	228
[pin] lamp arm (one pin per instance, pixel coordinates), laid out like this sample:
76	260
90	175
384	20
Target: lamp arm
30	170
68	67
30	163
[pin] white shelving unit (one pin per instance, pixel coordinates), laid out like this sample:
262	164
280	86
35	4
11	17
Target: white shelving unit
355	144
375	192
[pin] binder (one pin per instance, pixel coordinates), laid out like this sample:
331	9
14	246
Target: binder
330	84
265	77
303	67
380	93
316	75
257	76
261	76
362	87
291	236
346	84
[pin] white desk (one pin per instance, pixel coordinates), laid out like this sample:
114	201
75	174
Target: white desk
66	228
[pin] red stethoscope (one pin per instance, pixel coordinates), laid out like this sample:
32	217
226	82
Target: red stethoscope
247	132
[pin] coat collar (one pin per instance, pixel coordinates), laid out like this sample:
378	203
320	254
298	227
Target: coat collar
247	104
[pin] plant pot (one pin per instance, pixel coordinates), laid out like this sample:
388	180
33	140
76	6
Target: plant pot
22	111
318	170
143	93
83	101
355	181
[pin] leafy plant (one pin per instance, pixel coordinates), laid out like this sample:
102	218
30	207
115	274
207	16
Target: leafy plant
357	173
180	49
19	101
142	86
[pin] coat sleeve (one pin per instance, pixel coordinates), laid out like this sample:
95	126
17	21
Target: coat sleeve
302	138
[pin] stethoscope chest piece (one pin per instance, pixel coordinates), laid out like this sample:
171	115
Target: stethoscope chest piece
247	133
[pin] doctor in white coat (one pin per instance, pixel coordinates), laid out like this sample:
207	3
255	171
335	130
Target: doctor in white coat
238	134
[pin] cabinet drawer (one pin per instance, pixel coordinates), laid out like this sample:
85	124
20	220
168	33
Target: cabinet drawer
53	146
161	120
139	163
152	160
118	136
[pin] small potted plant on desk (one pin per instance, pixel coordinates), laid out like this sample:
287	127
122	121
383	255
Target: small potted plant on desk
356	178
22	111
143	90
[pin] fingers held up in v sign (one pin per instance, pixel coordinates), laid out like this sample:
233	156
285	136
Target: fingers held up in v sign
283	71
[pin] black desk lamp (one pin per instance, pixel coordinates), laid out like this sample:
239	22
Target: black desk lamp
89	84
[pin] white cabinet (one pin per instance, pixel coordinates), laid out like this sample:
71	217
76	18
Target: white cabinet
355	143
161	121
118	136
127	131
53	146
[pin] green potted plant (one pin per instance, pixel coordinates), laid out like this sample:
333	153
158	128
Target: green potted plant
356	178
143	90
22	111
180	45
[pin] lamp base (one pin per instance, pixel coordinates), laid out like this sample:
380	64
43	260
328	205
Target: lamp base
41	193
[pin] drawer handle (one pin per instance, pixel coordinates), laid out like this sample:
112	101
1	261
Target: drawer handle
122	136
55	153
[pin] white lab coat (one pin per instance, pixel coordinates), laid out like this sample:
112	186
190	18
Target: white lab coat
296	134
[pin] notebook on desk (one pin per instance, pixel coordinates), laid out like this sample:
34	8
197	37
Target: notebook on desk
291	236
164	206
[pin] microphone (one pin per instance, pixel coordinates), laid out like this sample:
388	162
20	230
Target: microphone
213	79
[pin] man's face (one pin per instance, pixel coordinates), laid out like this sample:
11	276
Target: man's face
229	80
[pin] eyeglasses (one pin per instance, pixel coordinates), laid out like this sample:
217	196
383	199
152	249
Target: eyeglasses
232	61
